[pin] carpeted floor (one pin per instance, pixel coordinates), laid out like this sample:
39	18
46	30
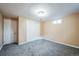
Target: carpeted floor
39	48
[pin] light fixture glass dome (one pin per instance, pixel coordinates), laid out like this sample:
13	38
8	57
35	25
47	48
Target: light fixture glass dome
41	12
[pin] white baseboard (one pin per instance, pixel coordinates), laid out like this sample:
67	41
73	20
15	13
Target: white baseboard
21	43
74	46
64	44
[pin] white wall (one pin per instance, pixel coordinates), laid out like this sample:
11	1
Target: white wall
33	30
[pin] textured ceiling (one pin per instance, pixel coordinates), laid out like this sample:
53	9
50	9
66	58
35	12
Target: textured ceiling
54	10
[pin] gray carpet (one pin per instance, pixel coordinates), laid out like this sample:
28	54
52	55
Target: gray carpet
38	48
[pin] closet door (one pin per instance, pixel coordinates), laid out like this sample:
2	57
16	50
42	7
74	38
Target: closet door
33	30
10	31
7	31
14	30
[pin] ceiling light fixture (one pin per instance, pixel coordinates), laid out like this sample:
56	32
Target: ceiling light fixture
41	12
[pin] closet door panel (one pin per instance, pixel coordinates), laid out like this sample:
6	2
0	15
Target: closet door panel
33	30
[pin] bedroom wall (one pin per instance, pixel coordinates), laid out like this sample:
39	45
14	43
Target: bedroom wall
22	30
67	32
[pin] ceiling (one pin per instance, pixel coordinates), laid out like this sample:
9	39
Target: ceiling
54	10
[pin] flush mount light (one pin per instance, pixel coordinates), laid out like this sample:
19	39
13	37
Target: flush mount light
41	12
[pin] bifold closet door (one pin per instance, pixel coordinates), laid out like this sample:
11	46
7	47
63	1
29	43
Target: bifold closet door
9	31
14	28
33	30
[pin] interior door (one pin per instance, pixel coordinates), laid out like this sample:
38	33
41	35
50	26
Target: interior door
14	30
10	32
